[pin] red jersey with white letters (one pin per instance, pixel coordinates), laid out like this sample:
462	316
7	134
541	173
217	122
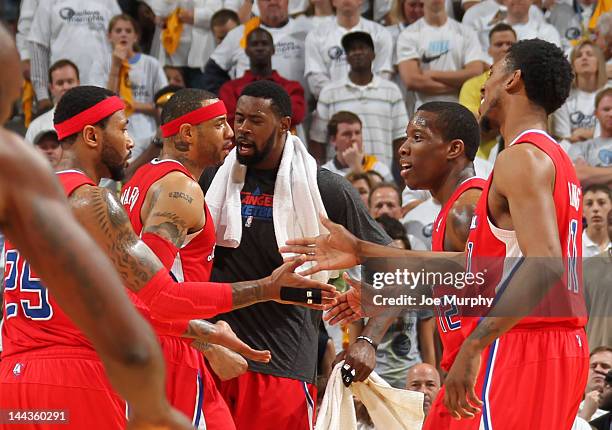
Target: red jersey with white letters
32	318
195	258
449	320
495	252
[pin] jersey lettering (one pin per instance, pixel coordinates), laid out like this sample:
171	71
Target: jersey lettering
572	257
574	192
129	197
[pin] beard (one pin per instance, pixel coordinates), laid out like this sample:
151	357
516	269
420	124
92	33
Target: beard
487	123
113	162
258	155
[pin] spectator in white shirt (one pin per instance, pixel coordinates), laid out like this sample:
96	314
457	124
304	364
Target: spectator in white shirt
27	9
571	19
487	14
326	60
144	77
63	75
600	363
229	61
345	135
597	202
437	54
527	27
575	121
377	101
70	29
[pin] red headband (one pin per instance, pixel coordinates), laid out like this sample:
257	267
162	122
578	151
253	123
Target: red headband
89	116
194	117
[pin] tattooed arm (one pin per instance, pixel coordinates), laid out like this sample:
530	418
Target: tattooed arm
35	217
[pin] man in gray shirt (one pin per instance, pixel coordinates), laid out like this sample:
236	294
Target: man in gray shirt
593	158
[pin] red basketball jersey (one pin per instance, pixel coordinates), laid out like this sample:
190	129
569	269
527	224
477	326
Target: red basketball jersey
496	253
449	320
195	258
32	318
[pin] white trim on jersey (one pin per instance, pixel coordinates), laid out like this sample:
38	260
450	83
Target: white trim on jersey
309	405
533	130
486	423
70	171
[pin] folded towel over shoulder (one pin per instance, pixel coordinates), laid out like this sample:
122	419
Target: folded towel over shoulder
297	200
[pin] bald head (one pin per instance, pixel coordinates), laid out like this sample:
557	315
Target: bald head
425	379
10	74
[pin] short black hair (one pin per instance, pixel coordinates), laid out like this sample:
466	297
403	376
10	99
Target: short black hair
59	64
501	27
75	101
280	101
184	101
545	70
455	121
222	16
262	31
394	229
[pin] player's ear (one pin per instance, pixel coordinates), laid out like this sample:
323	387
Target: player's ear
90	136
285	124
456	148
514	82
186	133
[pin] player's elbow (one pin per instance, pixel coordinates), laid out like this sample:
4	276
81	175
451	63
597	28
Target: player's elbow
139	354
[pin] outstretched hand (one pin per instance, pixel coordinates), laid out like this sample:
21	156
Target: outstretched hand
222	334
295	289
336	250
348	306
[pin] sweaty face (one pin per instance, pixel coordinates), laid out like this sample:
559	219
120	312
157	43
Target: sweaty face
213	140
385	201
50	148
256	126
117	146
62	80
346	136
422	156
501	41
596	207
123	33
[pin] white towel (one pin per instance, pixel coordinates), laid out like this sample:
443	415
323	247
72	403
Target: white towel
390	408
297	200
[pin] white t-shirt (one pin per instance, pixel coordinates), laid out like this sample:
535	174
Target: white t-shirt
537	30
578	111
480	18
447	48
326	60
197	40
26	15
419	221
75	30
288	58
147	77
590	248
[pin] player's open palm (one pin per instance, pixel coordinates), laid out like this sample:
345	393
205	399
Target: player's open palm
348	306
295	289
336	250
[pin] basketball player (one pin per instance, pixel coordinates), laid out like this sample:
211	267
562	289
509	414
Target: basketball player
36	220
530	208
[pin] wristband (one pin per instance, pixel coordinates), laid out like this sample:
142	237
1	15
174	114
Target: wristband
309	296
367	339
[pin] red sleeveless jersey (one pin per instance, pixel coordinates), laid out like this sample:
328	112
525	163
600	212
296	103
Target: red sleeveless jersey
195	258
497	252
32	319
449	320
